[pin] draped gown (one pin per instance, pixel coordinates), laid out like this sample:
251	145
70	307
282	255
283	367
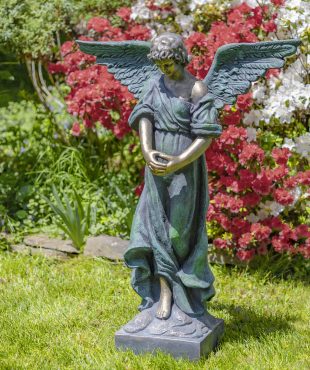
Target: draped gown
168	236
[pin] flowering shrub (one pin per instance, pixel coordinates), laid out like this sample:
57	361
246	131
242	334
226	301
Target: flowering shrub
258	169
95	95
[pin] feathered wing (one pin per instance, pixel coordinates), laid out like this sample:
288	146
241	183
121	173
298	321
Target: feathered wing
236	66
126	60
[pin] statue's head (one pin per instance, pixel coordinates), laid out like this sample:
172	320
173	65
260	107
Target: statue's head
167	48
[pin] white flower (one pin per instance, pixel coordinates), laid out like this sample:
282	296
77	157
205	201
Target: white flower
262	214
253	117
294	16
195	3
296	193
303	145
185	22
251	134
288	143
270	207
140	10
251	3
258	92
252	218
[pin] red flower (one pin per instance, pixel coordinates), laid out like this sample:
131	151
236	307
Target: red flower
277	2
262	184
244	255
139	189
232	118
269	26
283	197
57	68
272	72
274	223
67	47
302	231
220	243
138	32
245	101
124	13
260	231
280	244
76	129
98	24
245	240
251	151
281	155
304	250
251	199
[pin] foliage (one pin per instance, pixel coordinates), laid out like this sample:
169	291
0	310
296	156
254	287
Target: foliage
14	82
68	313
37	151
30	28
75	220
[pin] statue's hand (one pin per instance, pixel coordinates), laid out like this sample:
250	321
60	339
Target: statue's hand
151	159
173	164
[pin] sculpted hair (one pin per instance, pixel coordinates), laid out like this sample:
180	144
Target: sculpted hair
169	46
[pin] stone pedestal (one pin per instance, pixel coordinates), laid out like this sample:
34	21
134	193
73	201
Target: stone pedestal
181	336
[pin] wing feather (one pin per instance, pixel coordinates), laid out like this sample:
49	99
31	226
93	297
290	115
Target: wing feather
236	66
126	60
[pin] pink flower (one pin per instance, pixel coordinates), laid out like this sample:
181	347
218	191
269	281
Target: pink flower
262	185
232	118
250	152
277	2
281	155
245	240
124	13
220	243
260	231
274	223
251	199
98	24
246	255
76	129
283	197
302	231
269	26
245	101
304	249
67	47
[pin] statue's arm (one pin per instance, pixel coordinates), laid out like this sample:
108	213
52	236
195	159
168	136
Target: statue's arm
198	146
150	155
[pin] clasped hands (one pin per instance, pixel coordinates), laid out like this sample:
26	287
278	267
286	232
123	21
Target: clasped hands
172	164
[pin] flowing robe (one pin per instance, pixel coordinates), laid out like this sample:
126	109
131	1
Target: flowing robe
168	236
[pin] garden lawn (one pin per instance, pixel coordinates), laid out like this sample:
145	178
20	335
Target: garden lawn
63	315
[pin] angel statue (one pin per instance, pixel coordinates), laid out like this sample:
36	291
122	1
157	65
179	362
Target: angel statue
177	118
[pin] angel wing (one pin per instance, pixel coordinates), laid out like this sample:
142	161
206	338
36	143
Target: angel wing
126	60
236	66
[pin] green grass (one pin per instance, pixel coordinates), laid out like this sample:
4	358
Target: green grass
63	315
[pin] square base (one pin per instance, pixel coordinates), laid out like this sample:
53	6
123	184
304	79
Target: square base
178	347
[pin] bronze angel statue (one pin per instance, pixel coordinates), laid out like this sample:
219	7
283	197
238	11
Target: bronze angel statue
177	118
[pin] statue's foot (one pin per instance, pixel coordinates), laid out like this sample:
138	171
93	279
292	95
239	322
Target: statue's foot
165	301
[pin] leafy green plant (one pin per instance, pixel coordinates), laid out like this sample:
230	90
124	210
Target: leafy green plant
75	221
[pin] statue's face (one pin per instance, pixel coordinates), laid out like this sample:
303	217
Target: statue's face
168	67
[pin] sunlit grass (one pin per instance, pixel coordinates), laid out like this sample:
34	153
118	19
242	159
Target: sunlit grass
63	315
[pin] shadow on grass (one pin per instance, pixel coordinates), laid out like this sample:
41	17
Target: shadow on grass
246	323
